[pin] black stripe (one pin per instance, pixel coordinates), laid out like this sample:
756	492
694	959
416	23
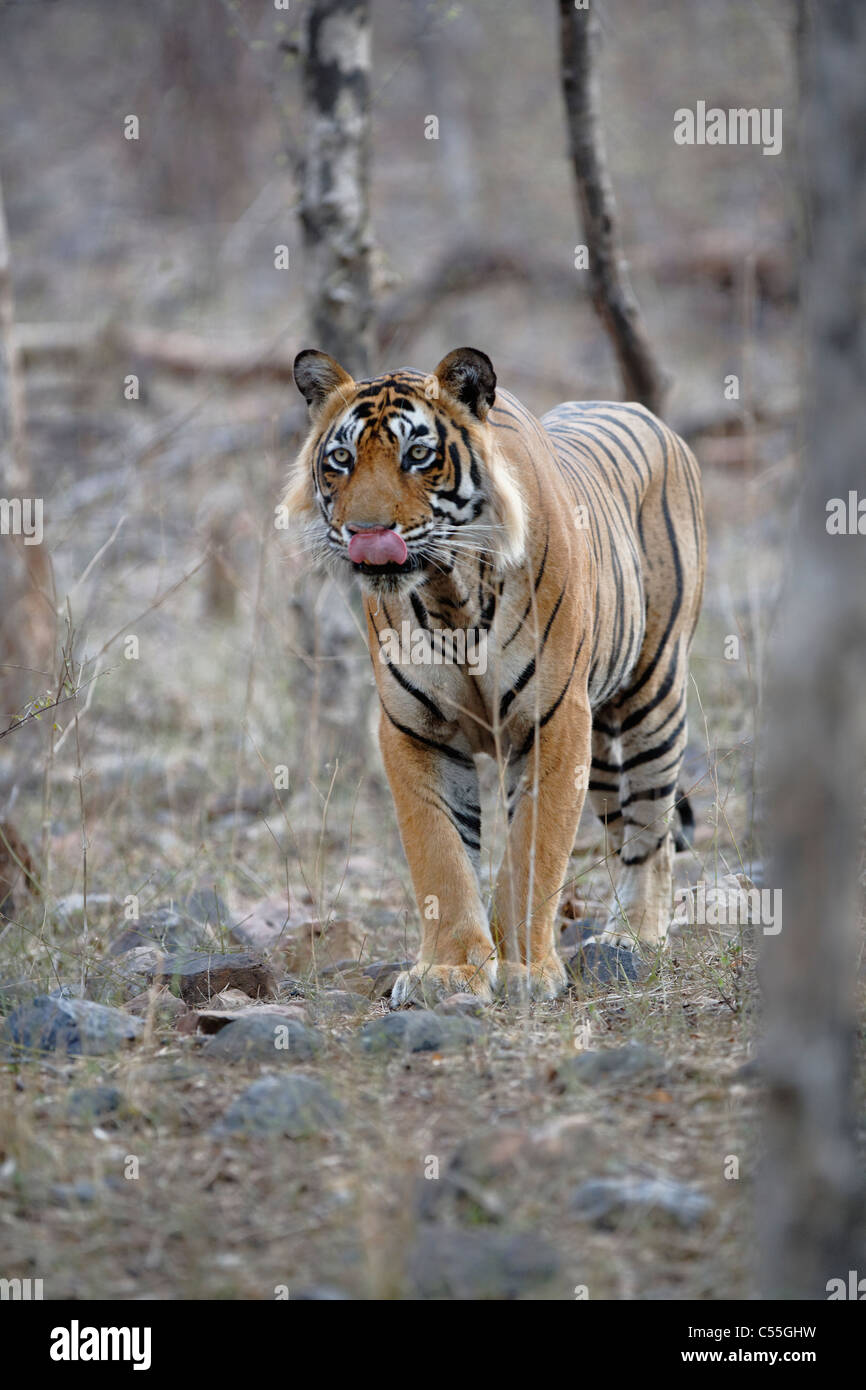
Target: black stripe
453	753
650	754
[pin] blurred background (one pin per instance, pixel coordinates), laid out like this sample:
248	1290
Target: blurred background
154	258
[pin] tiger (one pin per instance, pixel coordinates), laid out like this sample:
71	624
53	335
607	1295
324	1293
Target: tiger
574	547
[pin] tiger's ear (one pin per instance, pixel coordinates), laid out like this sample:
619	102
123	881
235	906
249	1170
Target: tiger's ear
317	375
467	376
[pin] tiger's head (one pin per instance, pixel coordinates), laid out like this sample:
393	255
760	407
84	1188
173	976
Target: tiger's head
401	476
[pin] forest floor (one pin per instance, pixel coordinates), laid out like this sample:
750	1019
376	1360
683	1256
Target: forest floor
469	1168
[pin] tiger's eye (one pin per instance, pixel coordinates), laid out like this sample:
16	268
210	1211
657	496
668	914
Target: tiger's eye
340	455
418	453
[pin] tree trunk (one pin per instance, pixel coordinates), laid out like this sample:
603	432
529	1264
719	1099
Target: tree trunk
27	617
612	294
335	222
335	215
810	1193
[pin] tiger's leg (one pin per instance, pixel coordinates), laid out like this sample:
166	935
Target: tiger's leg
546	812
604	776
438	811
652	721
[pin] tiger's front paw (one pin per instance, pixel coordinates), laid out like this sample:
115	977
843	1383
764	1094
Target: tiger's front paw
427	984
545	979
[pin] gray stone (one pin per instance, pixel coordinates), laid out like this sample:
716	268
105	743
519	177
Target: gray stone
83	1191
167	928
91	1103
206	906
613	1064
387	1034
76	1026
608	1202
292	1106
598	964
264	1039
337	1003
418	1030
573	933
448	1263
430	1032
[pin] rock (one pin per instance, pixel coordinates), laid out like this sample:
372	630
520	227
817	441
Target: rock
265	1039
418	1030
723	910
83	1191
386	1034
347	975
465	1190
165	1006
461	1006
76	1026
197	977
598	964
68	1194
167	929
131	971
382	975
316	945
607	1202
15	992
337	1003
490	1167
292	1106
215	1020
290	988
446	1263
573	933
88	1104
427	1031
265	925
614	1064
166	1069
71	905
301	944
206	906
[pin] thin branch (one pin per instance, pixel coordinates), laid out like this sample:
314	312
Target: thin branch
612	293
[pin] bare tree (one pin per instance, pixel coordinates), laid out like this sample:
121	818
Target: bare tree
612	294
335	221
335	213
810	1193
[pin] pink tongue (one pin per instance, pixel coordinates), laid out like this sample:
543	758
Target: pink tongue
377	548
